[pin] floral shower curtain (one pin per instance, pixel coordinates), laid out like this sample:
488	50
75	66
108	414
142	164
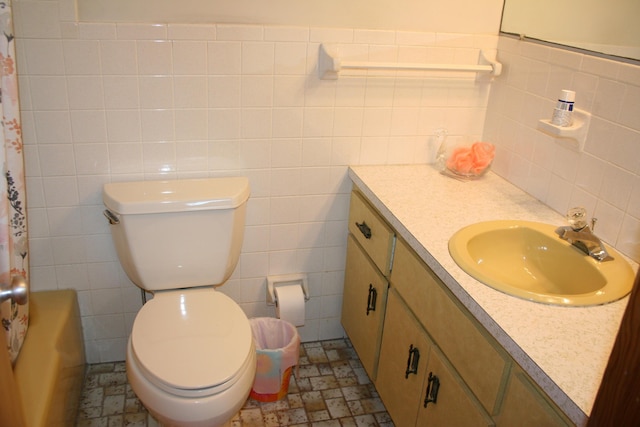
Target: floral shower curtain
13	215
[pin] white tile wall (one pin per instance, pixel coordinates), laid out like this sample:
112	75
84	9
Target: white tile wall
605	178
112	102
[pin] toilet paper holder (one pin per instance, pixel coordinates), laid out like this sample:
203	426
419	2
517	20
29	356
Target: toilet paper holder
287	279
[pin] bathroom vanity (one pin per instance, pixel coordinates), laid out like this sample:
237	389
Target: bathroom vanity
441	347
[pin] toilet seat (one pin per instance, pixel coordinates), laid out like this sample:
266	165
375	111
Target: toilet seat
192	342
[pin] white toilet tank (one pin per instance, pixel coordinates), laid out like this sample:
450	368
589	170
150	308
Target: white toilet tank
177	233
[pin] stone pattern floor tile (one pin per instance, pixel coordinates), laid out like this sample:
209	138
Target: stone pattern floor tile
329	388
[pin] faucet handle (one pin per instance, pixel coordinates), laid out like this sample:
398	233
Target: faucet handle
577	218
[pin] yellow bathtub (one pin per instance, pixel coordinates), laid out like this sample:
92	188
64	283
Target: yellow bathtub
50	368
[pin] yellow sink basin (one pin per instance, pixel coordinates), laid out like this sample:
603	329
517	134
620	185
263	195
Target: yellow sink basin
528	260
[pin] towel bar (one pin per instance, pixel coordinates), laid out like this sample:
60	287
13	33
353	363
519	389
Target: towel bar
330	65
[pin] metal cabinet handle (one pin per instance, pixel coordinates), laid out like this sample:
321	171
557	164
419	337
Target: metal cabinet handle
17	290
412	362
364	229
371	299
433	385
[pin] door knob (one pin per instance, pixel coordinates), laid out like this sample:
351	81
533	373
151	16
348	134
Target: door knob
17	290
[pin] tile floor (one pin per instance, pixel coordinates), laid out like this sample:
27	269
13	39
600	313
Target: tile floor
331	390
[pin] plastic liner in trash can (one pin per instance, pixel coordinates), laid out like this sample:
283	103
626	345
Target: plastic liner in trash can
278	349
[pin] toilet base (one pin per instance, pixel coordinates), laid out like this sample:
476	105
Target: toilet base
152	422
174	411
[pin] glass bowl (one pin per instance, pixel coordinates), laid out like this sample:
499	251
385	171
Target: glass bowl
464	158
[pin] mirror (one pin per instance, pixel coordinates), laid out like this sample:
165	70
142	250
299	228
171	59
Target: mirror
607	27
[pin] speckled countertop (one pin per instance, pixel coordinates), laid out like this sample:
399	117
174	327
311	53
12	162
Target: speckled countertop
564	349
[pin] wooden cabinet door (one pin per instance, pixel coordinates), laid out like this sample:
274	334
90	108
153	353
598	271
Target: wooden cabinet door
10	402
450	402
404	344
525	406
363	305
475	355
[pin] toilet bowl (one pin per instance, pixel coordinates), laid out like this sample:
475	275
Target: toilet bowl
191	358
200	360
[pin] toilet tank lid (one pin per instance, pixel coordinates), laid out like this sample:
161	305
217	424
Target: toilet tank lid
180	195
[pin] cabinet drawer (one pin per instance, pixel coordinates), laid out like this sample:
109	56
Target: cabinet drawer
470	349
371	231
363	305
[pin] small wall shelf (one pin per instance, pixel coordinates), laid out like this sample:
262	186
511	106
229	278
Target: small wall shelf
330	65
575	135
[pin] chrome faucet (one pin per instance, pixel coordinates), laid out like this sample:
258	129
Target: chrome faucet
580	235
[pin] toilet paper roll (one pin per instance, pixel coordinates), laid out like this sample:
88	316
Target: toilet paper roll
290	304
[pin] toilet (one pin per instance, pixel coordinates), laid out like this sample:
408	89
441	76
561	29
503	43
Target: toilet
191	358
